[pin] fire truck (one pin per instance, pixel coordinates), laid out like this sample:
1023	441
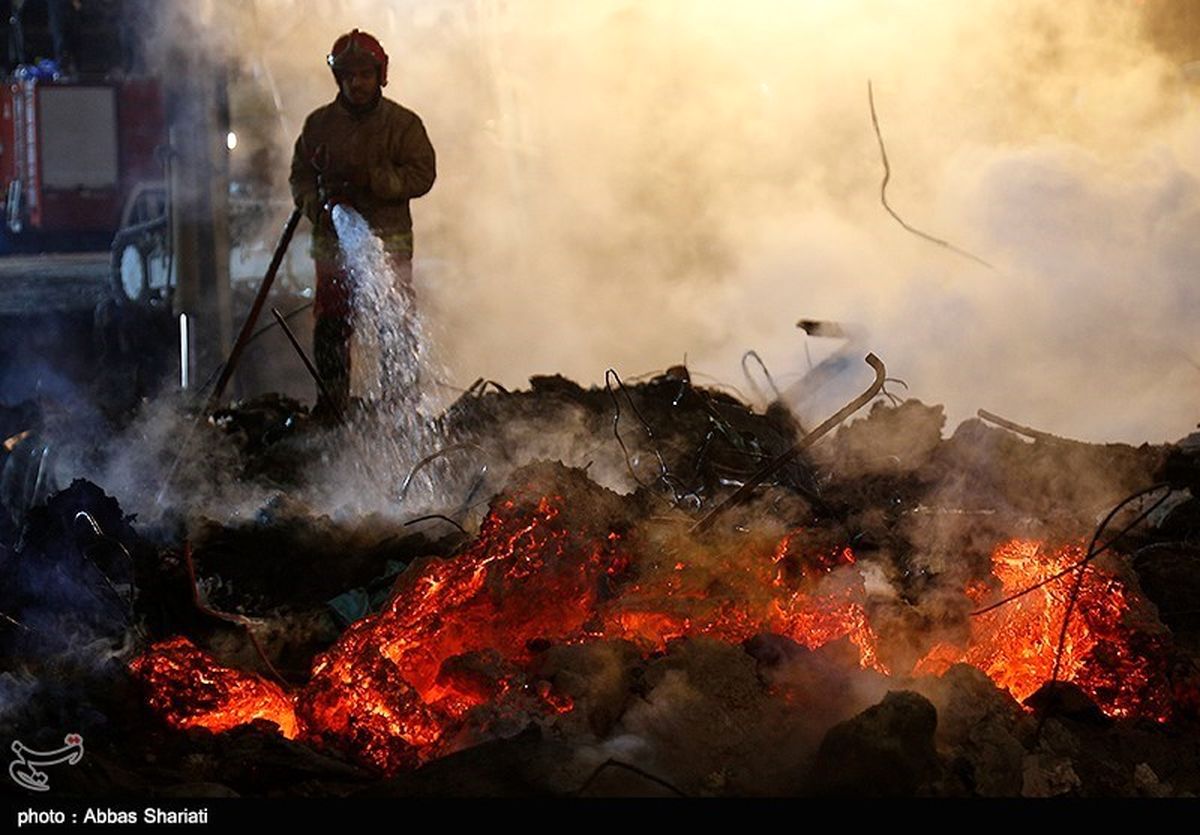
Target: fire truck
73	154
81	161
84	234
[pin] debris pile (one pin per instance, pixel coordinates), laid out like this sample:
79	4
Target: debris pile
890	612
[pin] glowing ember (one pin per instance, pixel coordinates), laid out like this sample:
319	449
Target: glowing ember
397	682
791	587
448	654
192	691
1120	666
449	658
392	688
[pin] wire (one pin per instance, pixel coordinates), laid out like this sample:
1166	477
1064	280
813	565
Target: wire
664	475
437	516
1091	554
746	371
287	317
611	763
429	459
1073	598
887	178
240	620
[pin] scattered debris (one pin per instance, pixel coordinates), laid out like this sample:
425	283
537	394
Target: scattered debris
578	627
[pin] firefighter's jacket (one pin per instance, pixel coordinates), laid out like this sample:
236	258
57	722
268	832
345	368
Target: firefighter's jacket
384	154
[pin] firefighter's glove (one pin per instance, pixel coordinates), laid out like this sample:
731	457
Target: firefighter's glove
339	193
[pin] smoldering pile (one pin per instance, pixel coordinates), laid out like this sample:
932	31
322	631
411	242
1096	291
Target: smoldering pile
565	628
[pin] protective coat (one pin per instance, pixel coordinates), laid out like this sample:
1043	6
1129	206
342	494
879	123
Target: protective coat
385	158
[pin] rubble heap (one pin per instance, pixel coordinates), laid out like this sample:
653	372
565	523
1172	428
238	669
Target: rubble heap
893	612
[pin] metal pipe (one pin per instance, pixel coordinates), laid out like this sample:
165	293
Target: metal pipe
312	369
185	354
808	440
264	289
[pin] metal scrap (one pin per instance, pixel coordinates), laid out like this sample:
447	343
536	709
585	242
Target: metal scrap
808	440
1036	434
429	459
308	363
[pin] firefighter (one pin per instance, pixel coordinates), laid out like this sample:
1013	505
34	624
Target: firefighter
370	153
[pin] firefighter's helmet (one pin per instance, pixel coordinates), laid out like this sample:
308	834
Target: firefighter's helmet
358	44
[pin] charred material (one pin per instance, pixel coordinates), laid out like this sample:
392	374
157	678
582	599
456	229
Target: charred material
578	639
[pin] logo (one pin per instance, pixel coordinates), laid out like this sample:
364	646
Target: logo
24	769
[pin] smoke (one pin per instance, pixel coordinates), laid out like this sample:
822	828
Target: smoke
628	184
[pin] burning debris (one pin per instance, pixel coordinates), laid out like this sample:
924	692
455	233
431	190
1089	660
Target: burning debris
1116	654
645	587
193	691
557	561
600	624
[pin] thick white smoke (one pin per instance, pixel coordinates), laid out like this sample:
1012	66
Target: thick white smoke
623	184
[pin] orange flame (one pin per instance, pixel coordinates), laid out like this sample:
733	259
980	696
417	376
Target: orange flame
458	635
452	650
192	690
1119	666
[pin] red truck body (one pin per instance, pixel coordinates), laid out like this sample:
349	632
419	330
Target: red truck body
71	153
